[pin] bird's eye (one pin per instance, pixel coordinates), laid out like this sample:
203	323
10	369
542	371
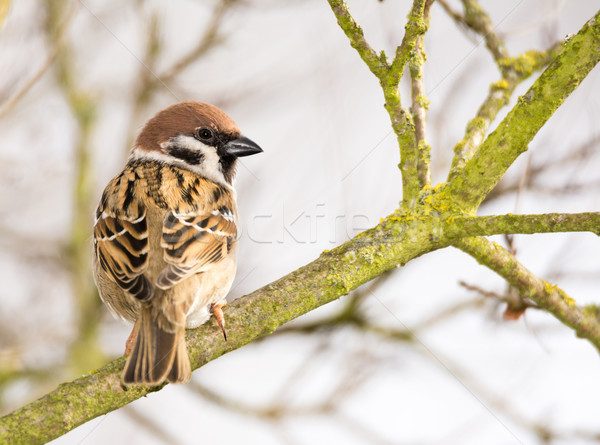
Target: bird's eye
204	134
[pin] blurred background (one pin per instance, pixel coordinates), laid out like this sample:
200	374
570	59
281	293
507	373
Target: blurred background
422	355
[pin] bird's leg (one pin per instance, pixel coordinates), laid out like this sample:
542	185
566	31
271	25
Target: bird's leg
130	343
216	309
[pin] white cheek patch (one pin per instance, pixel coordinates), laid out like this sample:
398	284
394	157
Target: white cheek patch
209	167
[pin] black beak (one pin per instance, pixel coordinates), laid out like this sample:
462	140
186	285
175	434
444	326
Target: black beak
242	146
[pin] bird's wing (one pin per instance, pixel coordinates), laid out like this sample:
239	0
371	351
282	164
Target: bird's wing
121	244
196	239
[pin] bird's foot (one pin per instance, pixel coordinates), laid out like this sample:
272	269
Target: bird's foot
216	309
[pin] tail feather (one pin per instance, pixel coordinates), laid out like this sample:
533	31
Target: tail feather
181	370
159	353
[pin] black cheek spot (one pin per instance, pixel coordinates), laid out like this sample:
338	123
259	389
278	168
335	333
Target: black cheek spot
188	156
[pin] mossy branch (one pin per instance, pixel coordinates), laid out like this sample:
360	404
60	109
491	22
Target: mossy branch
414	157
479	21
517	69
389	76
502	147
420	104
462	227
548	296
392	243
333	274
377	64
416	26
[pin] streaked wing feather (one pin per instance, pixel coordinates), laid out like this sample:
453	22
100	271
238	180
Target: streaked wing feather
194	242
121	248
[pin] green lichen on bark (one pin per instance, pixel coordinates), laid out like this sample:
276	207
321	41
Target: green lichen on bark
478	20
524	224
500	149
332	275
377	65
523	65
416	25
398	239
420	103
514	70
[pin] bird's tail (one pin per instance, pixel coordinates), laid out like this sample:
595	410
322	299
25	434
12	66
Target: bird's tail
159	352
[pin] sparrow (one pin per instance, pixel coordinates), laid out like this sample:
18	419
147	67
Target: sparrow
165	236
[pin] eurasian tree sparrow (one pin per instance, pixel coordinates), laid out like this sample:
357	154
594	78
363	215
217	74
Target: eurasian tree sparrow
165	236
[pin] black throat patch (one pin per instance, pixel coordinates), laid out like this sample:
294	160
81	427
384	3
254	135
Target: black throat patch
188	156
228	167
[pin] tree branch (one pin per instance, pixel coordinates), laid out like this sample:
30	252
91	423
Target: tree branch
531	178
517	70
420	104
548	296
514	70
500	149
392	243
58	40
402	122
377	64
524	224
333	274
416	26
389	76
478	20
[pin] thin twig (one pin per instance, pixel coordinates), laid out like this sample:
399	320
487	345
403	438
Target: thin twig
477	20
149	83
12	101
389	76
546	295
420	104
208	41
377	64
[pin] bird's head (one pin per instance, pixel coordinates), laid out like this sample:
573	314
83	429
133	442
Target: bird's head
196	136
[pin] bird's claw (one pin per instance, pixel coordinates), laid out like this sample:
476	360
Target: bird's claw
217	311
